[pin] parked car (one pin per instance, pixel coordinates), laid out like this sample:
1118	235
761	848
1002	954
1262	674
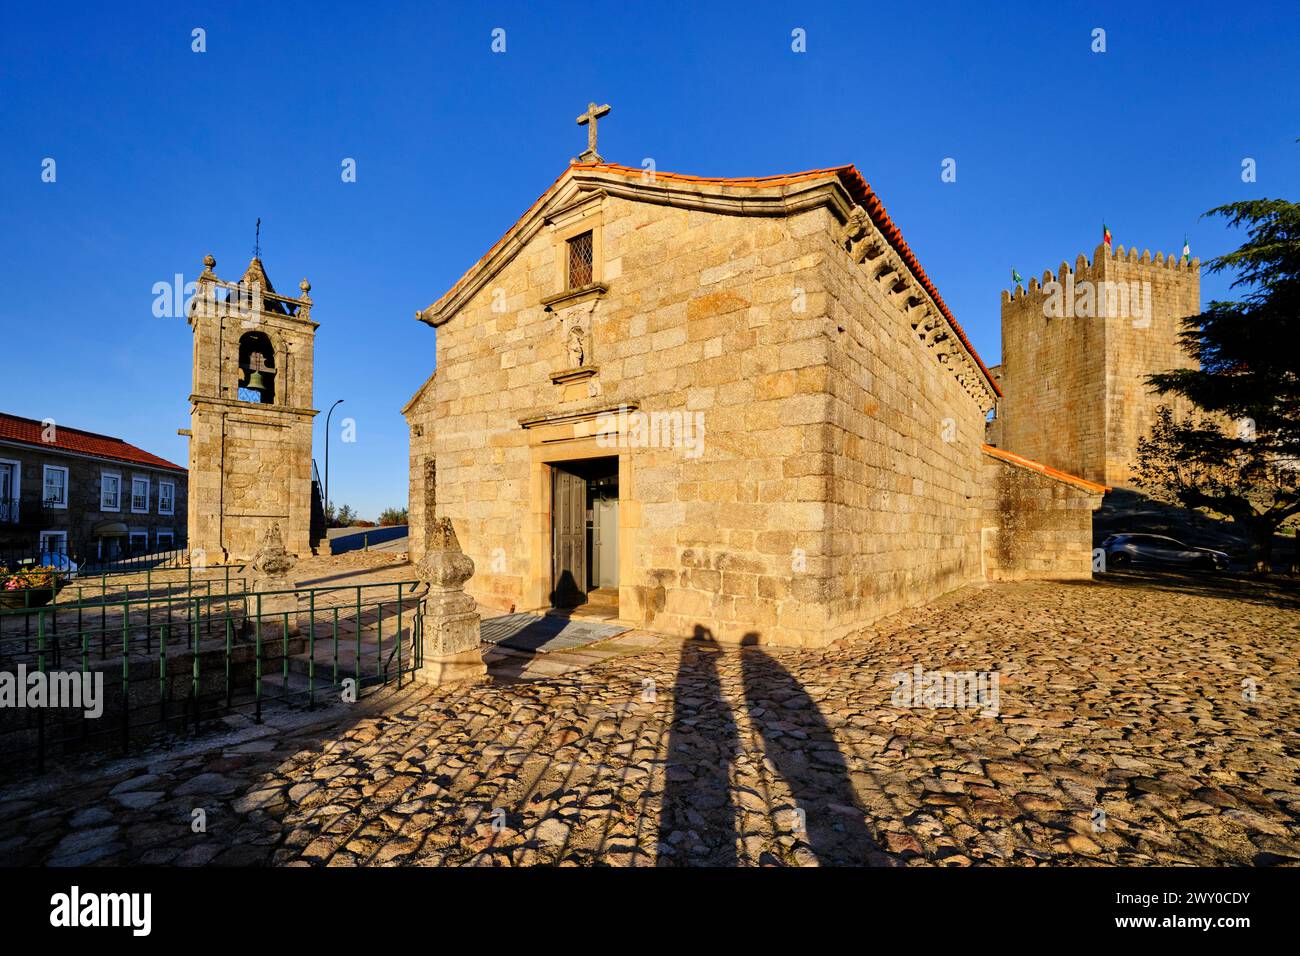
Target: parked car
1128	549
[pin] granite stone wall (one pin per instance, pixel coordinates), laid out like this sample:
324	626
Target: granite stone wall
1034	525
838	475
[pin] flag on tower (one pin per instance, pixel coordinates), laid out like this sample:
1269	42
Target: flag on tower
1105	236
1187	251
1015	276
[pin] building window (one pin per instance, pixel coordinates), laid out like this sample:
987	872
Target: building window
56	487
580	259
10	480
138	541
53	542
140	495
166	539
166	497
110	491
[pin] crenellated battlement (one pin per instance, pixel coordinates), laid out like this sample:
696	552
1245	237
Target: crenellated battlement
1078	345
1096	270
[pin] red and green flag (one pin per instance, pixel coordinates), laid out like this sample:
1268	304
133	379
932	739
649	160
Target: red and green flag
1105	236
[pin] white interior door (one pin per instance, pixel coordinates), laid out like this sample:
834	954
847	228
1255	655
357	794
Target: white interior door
605	545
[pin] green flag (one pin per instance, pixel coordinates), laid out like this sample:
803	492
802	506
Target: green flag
1015	276
1187	250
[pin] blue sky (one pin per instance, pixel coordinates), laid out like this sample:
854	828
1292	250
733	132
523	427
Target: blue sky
164	155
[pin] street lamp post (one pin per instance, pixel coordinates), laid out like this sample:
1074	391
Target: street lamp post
327	459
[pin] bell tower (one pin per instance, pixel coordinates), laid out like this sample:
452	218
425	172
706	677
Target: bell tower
250	415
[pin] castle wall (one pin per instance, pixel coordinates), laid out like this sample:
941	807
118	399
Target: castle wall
1034	525
1076	350
1053	382
1137	346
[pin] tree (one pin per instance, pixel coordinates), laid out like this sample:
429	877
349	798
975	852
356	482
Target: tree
393	516
345	516
1241	456
1197	464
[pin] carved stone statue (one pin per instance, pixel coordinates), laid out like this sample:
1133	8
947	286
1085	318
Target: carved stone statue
272	562
271	566
576	351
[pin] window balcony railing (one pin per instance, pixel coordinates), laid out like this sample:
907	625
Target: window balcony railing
8	510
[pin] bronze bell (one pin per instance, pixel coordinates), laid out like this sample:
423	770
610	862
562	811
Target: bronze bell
258	382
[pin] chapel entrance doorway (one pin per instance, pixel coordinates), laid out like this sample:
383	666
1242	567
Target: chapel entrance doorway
584	533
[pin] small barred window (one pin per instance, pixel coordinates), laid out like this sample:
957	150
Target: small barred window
580	257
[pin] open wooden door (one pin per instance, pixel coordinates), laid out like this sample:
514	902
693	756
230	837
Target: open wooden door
568	539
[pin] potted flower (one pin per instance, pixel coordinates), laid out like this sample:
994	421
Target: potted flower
29	587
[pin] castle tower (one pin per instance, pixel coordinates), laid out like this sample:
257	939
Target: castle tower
251	415
1076	351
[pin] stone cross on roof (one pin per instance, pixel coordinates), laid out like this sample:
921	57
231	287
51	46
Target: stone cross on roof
588	119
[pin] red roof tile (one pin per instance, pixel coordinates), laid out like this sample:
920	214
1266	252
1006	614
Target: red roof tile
849	177
1012	458
29	432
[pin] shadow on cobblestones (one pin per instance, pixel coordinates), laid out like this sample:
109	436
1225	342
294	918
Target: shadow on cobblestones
698	821
1172	713
801	746
1276	591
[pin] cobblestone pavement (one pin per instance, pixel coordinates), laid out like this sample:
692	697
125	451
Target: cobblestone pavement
1124	735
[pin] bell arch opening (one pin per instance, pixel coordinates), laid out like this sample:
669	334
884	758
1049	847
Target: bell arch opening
256	368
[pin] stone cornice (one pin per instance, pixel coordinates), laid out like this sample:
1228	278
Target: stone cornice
868	249
575	296
253	408
579	415
574	374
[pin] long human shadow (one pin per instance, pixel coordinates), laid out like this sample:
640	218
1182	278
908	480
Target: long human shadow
697	825
802	747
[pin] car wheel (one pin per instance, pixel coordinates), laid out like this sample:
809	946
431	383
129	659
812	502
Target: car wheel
1205	564
1119	559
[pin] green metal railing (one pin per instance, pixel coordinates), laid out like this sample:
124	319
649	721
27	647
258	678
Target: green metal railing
171	660
83	588
90	594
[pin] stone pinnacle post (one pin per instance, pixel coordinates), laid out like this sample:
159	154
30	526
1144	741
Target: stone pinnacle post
271	566
451	649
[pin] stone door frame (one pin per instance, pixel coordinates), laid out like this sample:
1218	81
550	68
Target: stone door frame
554	444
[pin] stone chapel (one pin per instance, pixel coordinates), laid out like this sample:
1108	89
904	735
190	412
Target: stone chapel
730	404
